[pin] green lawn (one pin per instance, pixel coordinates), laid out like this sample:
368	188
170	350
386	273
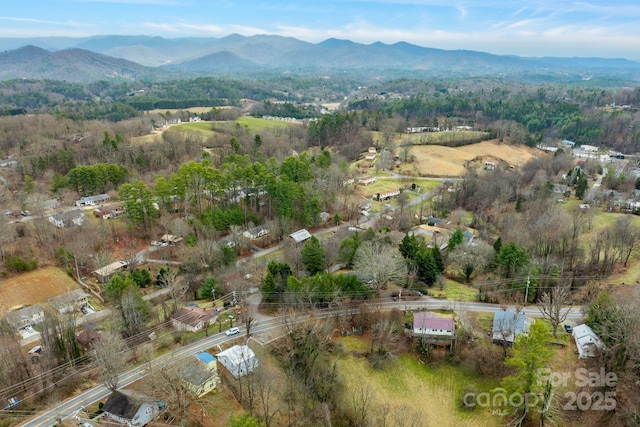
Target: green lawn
454	291
412	390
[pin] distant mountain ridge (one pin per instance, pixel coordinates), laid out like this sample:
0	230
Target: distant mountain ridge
145	57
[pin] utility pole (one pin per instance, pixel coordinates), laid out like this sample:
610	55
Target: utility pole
526	292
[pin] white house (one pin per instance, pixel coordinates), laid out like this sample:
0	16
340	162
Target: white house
239	360
192	319
389	194
366	180
588	343
92	200
67	219
432	326
256	232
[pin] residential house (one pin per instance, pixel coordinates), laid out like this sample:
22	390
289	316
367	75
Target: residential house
366	180
67	219
132	408
348	181
110	211
199	373
192	319
588	343
239	360
508	324
69	302
438	222
88	338
25	316
51	204
389	194
370	157
371	150
92	200
171	239
433	327
109	270
300	235
256	232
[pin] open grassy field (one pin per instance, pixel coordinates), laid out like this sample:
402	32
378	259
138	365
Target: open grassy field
437	160
34	287
196	110
454	291
412	389
254	124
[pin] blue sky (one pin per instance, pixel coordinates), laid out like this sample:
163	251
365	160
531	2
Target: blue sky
520	27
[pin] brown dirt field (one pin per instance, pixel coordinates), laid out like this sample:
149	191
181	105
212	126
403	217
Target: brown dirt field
34	287
438	160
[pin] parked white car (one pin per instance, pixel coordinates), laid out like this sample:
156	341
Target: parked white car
232	331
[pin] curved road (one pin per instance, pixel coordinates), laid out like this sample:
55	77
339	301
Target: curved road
77	403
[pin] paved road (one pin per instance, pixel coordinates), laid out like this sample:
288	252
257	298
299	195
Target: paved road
75	404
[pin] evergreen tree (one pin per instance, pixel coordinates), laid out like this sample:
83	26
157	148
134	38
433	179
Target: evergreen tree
313	255
437	258
426	267
456	239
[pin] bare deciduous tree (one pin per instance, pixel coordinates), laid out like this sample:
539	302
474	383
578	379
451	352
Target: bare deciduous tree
380	264
552	304
110	354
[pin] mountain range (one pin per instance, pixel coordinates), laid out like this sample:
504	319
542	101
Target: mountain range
155	58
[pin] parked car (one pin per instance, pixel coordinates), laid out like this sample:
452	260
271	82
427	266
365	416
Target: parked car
84	310
30	329
568	329
36	349
232	331
11	403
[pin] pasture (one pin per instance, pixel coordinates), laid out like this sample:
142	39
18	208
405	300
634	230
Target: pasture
438	160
